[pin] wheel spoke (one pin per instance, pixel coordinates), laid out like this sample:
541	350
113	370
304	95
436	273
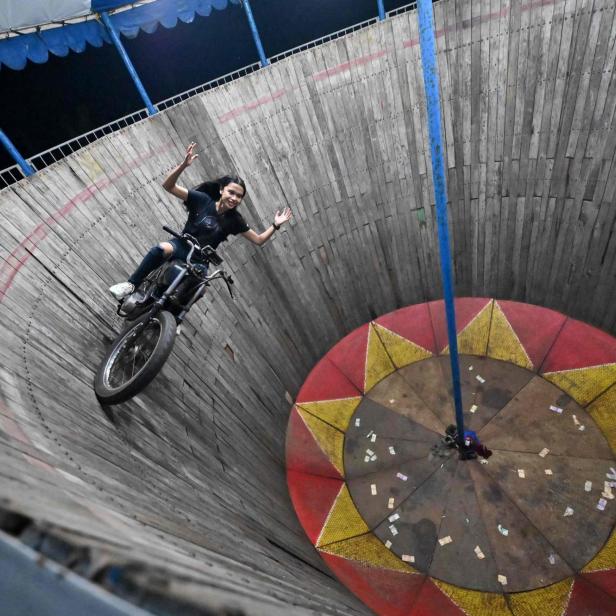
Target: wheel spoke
132	355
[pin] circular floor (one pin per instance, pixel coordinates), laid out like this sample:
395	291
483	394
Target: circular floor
465	522
410	528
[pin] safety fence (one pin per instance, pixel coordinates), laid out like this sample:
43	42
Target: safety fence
39	161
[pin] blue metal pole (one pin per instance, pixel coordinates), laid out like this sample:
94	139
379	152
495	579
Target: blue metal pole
17	157
431	84
381	10
255	33
129	65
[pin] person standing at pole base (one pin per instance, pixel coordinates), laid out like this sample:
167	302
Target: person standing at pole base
212	217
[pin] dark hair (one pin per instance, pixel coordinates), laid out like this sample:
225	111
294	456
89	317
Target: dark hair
213	188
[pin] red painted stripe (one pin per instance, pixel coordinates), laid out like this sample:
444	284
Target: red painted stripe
249	106
28	246
475	21
346	66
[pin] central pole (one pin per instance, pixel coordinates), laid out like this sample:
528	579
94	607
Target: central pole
431	85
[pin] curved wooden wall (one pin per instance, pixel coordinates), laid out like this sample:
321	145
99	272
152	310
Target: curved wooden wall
190	473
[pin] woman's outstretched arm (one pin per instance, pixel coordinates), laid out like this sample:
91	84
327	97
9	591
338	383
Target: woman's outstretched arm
170	184
260	238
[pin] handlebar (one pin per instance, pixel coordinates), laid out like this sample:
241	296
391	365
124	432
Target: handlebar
172	232
210	255
207	252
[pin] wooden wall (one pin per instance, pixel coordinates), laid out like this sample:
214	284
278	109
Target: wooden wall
190	474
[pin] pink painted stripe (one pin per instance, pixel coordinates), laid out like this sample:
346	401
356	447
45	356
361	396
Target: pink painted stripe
468	23
249	106
26	248
347	66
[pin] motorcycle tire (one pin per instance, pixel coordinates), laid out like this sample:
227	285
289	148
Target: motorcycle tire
135	358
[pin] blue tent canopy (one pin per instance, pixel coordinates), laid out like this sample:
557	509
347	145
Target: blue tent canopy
35	46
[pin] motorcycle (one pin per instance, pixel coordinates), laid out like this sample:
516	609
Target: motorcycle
154	313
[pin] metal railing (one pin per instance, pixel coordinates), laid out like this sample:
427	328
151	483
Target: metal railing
58	152
402	9
41	160
12	174
214	83
323	39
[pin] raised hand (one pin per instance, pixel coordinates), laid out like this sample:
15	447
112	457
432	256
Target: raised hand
283	217
188	159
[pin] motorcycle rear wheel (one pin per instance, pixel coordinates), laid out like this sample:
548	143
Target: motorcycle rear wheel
135	358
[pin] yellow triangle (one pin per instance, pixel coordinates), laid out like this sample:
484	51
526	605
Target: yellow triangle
343	520
603	411
549	601
378	364
584	384
369	551
402	351
605	558
504	343
330	440
474	602
473	339
338	413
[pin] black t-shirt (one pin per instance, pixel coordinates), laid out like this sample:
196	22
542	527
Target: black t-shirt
204	223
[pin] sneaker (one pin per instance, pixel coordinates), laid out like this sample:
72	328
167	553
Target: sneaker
122	289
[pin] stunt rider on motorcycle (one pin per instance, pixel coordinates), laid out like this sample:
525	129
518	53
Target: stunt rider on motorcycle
212	217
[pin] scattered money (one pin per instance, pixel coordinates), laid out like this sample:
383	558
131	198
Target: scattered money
607	491
588	486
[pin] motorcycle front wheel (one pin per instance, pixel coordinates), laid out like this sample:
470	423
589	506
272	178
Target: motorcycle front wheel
135	358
